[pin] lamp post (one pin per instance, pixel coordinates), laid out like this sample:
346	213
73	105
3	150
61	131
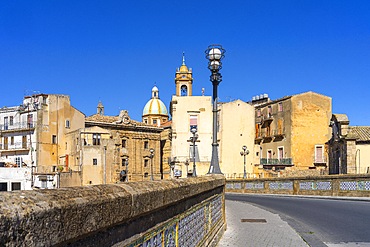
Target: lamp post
151	155
214	54
244	153
193	139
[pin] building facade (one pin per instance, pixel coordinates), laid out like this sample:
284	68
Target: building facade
111	149
349	147
291	132
33	135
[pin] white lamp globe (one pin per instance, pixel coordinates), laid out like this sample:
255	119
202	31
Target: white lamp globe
214	54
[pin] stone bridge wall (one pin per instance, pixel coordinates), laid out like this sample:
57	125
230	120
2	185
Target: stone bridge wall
167	212
333	185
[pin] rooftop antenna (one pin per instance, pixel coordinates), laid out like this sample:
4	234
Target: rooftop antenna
183	58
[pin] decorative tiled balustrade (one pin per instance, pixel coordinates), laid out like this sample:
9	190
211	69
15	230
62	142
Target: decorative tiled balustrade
180	212
333	185
188	229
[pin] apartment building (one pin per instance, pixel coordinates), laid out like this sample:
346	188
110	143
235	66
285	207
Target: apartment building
291	132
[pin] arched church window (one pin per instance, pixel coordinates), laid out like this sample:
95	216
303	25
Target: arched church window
184	90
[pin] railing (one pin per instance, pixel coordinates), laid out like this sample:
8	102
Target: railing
18	126
279	132
284	161
16	146
327	185
177	212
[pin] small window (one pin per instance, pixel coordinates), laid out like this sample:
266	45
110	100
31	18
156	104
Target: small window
18	161
12	140
280	106
54	139
154	121
11	121
95	162
146	144
124	142
193	122
68	124
3	186
96	139
16	186
146	175
258	112
146	163
269	111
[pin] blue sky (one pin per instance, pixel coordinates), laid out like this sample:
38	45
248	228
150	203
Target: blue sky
116	51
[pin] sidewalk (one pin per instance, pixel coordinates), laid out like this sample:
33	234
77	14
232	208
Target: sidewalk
274	232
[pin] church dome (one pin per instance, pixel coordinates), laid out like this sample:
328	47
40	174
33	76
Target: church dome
155	106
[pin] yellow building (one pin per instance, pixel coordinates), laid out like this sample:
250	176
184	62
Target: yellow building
236	129
291	132
111	149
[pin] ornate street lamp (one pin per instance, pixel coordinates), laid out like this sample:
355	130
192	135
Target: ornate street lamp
151	155
193	139
244	153
215	53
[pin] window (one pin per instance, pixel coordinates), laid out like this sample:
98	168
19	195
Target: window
280	106
96	139
146	144
193	122
146	163
184	90
269	154
18	161
95	162
6	143
54	139
30	121
11	121
280	153
258	112
6	122
16	186
319	154
124	142
146	175
68	124
3	186
146	121
269	111
24	141
154	121
12	140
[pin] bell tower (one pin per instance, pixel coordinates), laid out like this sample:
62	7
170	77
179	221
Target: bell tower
184	79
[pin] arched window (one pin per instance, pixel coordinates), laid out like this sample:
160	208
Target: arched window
184	90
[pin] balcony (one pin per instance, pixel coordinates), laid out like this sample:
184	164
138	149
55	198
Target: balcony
266	119
18	126
319	161
276	162
279	133
15	147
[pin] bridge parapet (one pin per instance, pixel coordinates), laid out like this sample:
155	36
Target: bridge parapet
166	213
329	185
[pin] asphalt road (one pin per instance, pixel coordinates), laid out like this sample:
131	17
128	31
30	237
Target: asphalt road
321	222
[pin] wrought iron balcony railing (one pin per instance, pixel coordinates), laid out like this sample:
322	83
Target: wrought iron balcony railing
283	161
18	126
